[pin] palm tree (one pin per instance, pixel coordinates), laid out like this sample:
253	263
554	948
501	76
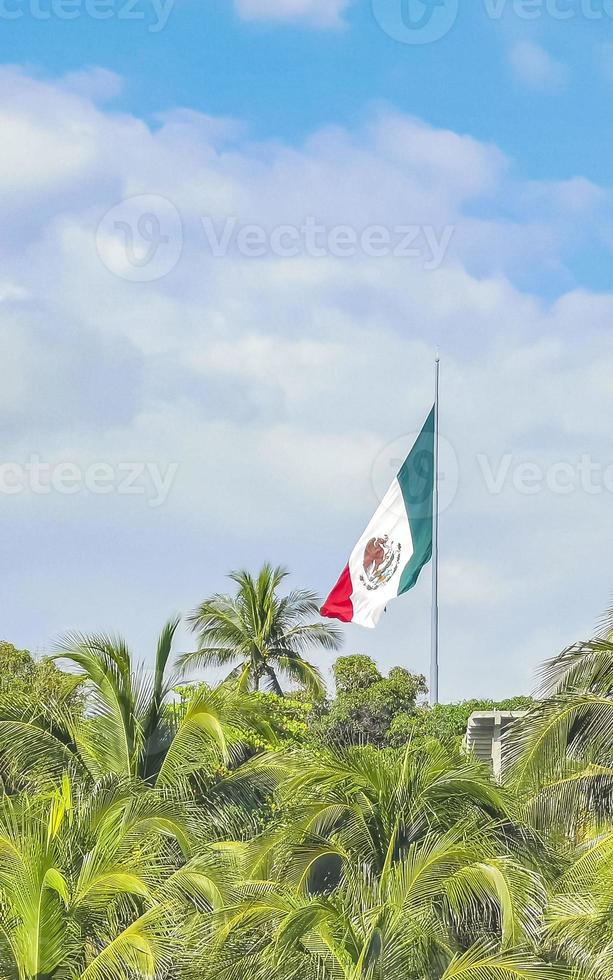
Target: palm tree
384	866
579	919
442	912
560	756
364	805
560	763
86	876
129	729
263	635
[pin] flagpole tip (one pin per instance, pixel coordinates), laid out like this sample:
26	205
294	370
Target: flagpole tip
437	357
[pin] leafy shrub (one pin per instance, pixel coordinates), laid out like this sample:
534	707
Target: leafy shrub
366	702
446	722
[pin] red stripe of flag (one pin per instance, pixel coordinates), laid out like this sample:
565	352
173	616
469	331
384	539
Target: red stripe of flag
338	605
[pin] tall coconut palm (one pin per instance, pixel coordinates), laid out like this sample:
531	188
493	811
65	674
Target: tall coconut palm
262	635
129	729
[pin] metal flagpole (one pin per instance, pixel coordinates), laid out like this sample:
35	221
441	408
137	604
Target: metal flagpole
434	633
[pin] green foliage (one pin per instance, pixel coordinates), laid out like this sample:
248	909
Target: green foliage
389	866
287	718
354	674
97	883
128	731
35	692
262	636
366	703
561	757
24	677
227	833
446	722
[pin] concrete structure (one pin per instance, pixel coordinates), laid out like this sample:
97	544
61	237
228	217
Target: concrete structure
485	735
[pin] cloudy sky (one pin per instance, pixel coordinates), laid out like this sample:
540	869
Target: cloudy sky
232	236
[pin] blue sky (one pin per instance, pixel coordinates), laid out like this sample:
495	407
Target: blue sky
273	391
287	77
535	77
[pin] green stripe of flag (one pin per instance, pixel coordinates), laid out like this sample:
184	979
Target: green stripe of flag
416	479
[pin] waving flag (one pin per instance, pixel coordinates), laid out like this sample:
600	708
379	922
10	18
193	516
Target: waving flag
395	546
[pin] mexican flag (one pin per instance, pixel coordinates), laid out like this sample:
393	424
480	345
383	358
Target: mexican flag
395	546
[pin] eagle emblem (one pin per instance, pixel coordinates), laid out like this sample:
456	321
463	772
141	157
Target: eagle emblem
381	559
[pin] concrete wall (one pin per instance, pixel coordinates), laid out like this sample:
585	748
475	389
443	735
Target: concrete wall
485	735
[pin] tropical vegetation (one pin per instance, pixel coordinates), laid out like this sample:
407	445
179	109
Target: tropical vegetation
267	634
154	825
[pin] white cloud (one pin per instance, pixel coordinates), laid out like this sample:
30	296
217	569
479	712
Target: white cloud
535	68
317	13
277	383
97	84
474	583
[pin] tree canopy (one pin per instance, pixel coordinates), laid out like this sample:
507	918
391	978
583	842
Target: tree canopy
152	827
261	635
